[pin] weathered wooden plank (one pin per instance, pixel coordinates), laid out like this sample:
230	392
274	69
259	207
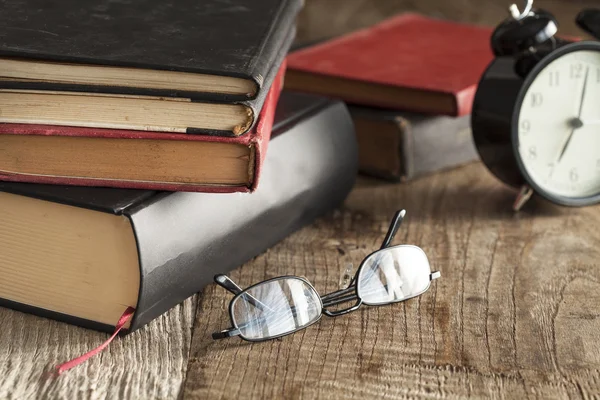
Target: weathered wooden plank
149	363
514	315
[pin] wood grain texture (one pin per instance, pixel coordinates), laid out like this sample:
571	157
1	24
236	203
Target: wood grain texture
514	315
149	363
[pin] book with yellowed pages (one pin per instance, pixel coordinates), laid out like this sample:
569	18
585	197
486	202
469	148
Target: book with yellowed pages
131	159
186	67
143	113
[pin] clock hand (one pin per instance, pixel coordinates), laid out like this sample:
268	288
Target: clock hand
565	146
575	122
587	73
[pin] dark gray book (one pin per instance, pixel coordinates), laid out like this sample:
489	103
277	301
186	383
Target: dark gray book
401	146
83	255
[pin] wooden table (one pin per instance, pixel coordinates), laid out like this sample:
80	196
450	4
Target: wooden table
516	313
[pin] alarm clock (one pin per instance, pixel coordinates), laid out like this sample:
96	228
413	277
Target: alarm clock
536	113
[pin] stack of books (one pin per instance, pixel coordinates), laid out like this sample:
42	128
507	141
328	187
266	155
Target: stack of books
146	95
112	114
411	82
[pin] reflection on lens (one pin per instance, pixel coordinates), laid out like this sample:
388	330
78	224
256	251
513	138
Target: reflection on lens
393	274
275	308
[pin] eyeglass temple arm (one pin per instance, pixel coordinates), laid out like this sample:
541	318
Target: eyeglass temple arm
335	295
228	284
393	229
340	300
227	333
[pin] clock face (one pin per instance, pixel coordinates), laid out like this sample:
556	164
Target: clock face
559	126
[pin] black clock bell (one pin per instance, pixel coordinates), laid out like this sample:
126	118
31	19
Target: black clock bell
536	114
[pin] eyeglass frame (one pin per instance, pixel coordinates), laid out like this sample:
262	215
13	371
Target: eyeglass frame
332	299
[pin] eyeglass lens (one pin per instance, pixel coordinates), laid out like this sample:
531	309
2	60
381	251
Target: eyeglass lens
393	274
275	308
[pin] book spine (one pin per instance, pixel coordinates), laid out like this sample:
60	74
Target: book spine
404	147
185	239
276	40
273	76
432	144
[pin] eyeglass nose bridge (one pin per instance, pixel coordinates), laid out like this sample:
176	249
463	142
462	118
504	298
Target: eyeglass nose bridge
344	311
340	297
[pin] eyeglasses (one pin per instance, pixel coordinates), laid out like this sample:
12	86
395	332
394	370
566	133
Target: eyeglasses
287	304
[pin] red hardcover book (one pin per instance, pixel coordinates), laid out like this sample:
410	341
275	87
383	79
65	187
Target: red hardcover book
409	62
138	160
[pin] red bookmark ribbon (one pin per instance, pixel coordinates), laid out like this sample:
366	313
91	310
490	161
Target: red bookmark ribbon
83	358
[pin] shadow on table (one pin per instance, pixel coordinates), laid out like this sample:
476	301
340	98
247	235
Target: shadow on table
446	200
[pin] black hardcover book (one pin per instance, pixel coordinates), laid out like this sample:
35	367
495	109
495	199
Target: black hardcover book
83	255
212	50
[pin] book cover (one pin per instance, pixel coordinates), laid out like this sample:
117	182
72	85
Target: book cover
242	41
405	146
408	63
174	243
24	166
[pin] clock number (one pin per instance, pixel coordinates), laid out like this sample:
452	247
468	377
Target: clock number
573	175
532	153
537	99
576	71
554	79
598	75
525	126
